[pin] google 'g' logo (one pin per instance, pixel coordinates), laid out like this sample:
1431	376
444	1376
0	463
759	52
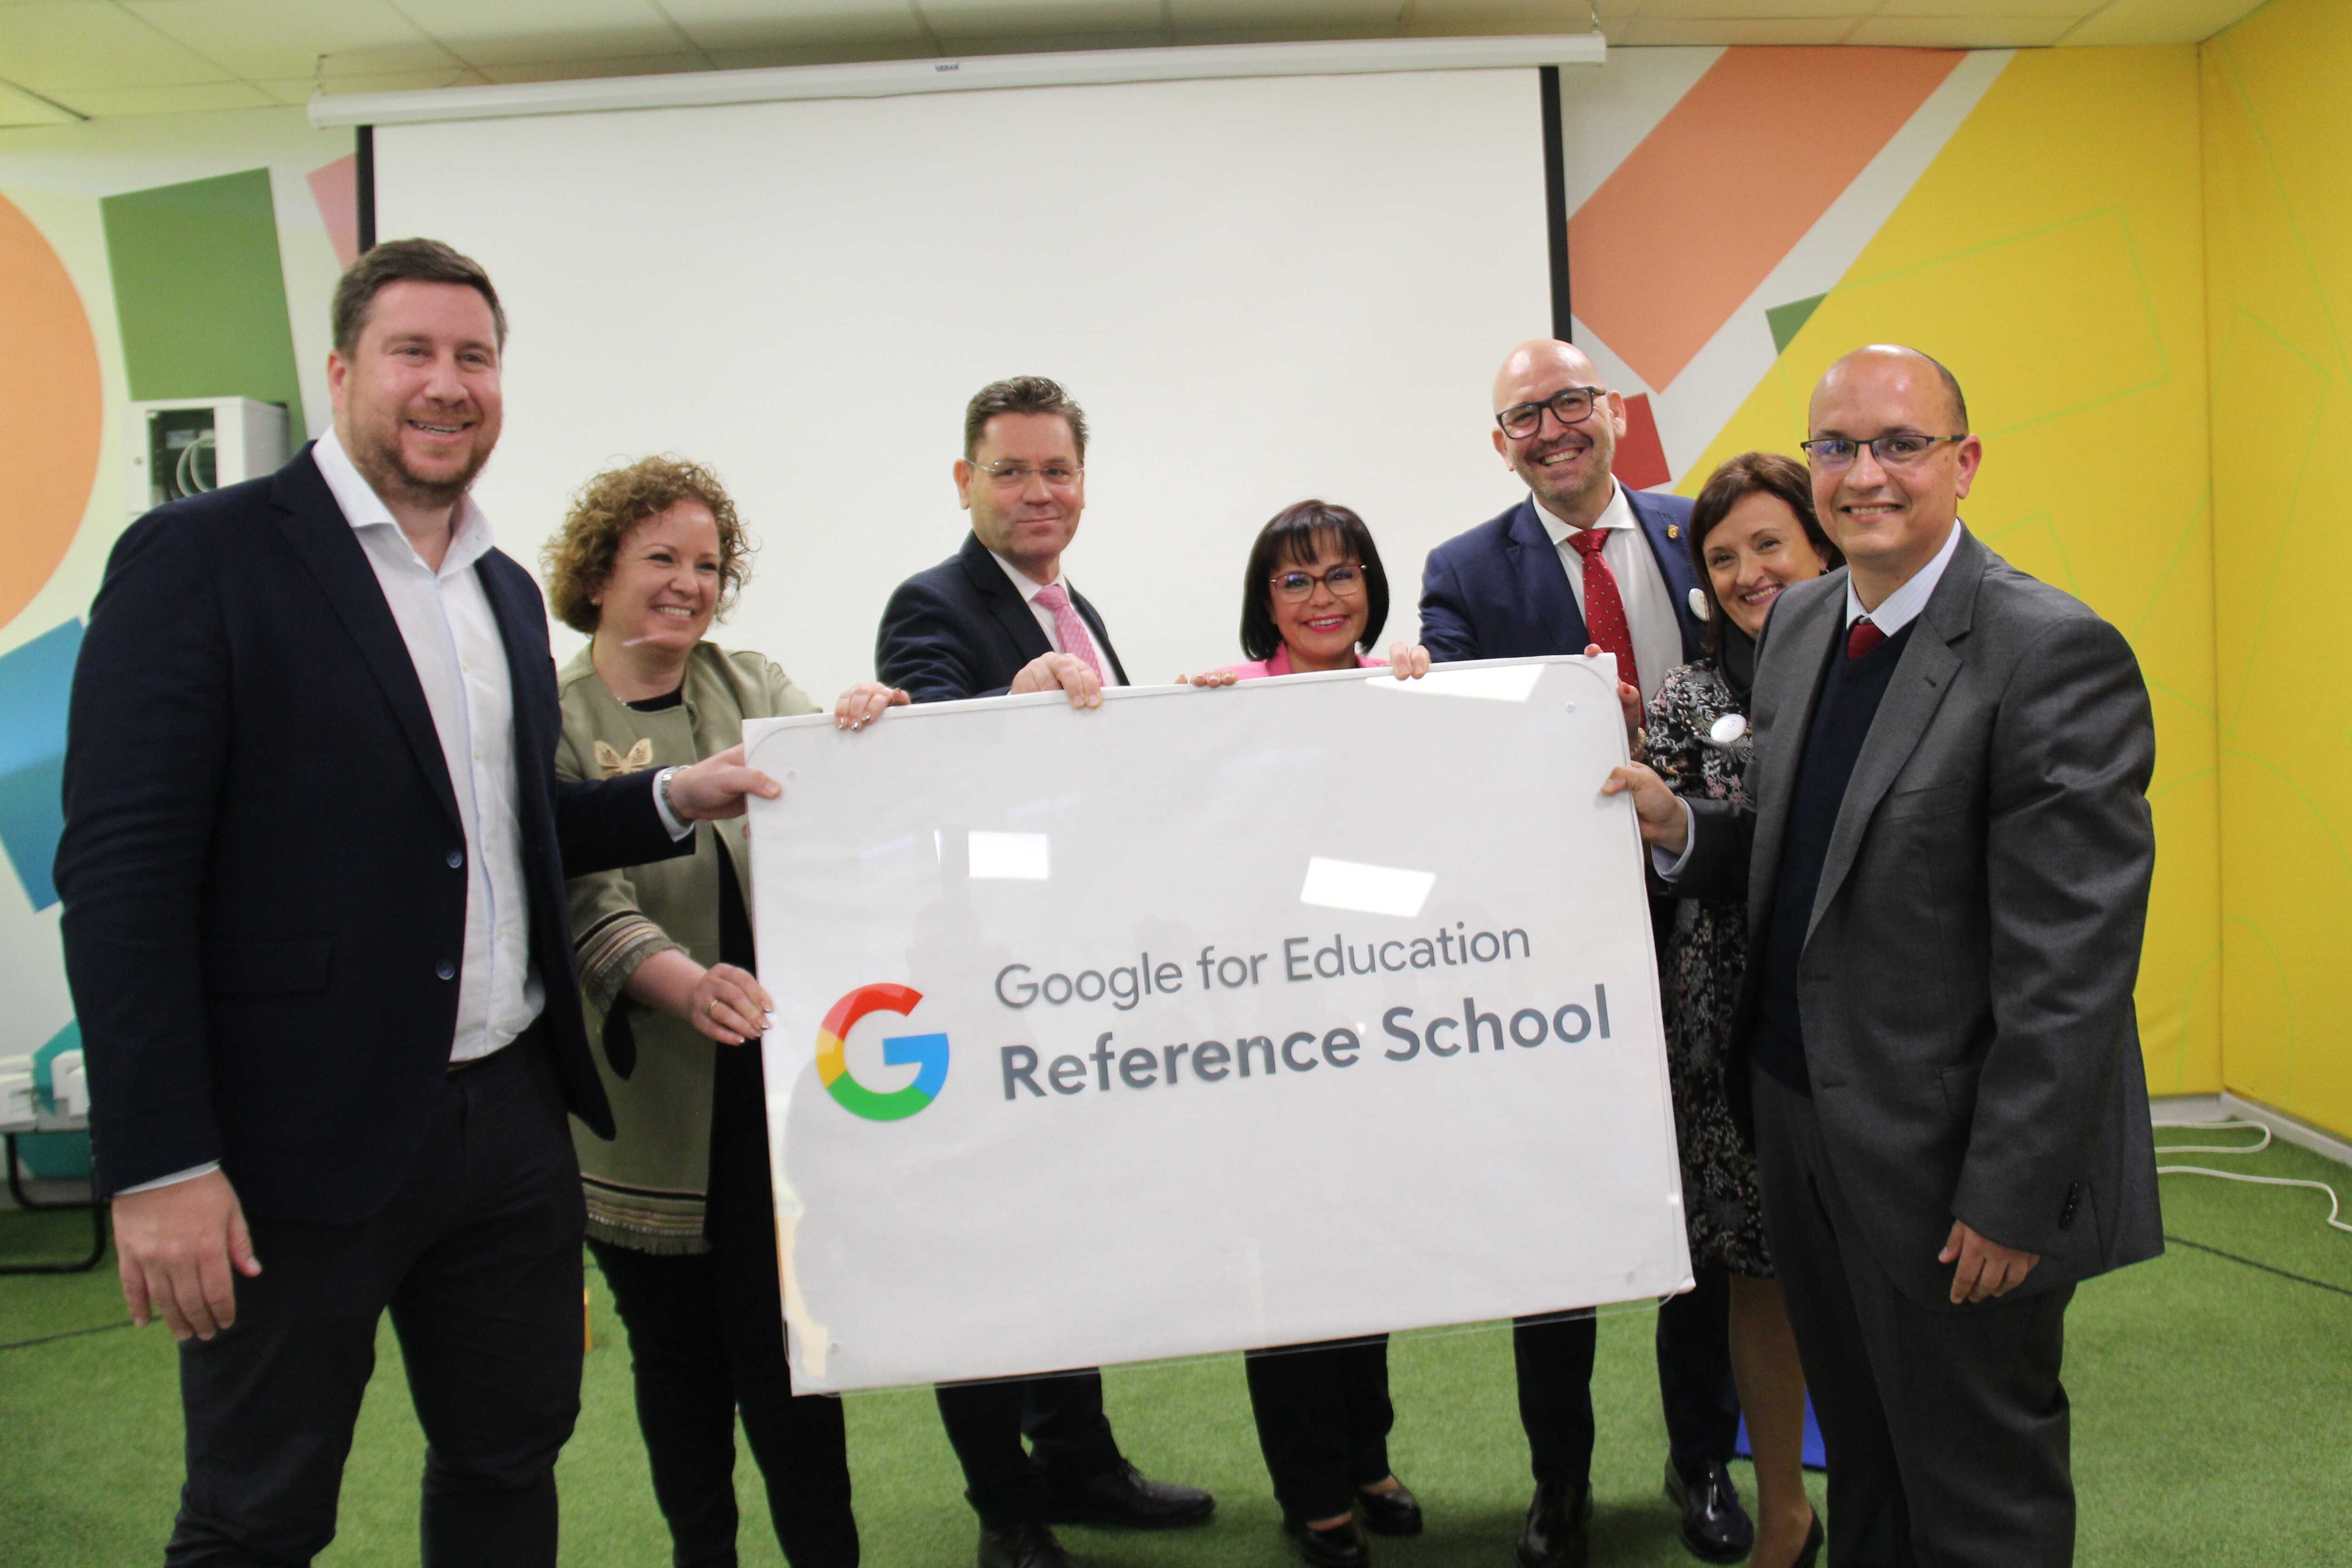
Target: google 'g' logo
927	1053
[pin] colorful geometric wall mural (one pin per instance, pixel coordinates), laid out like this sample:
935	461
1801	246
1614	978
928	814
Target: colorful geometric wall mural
2043	221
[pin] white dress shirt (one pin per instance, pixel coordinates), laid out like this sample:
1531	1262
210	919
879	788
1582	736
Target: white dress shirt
1894	612
453	640
1641	585
1030	588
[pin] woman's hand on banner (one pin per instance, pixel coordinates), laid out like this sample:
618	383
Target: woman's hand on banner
1629	701
865	702
1210	678
728	1004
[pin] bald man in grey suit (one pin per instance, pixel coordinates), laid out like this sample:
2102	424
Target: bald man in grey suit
1946	871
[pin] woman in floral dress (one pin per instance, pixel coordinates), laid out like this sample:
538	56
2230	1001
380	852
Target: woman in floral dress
1752	533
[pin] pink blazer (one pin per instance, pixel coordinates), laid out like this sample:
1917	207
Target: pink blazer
1259	668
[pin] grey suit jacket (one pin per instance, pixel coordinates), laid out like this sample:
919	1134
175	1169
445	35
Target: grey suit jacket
1966	985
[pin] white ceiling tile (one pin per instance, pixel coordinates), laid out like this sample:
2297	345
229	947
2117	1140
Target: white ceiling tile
110	102
516	32
1529	16
407	81
66	44
256	38
18	107
1285	16
1033	17
2159	21
602	65
829	24
389	59
820	54
1959	32
1652	30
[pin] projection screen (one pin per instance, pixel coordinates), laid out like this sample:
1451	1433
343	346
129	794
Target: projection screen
1260	289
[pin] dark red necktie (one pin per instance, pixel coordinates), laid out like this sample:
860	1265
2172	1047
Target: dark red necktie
1862	638
1604	611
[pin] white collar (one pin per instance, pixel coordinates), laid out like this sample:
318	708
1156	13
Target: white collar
1618	513
470	539
1030	588
1901	607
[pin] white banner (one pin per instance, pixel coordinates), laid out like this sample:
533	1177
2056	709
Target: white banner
1207	1019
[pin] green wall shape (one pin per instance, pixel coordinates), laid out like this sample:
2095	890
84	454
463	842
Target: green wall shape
200	293
1787	320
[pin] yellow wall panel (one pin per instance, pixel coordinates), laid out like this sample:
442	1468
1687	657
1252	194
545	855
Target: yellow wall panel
2052	255
2277	120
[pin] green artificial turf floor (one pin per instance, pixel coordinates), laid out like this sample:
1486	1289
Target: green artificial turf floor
2212	1396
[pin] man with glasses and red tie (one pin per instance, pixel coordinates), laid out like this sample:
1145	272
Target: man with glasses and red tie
998	617
1584	562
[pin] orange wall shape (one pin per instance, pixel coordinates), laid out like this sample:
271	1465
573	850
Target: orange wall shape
1691	222
52	410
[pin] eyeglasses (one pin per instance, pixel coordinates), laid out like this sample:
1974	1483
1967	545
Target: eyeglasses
1015	476
1899	451
1569	406
1345	582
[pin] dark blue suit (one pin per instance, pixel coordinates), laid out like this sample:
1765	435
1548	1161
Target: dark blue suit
1500	591
962	629
265	885
955	630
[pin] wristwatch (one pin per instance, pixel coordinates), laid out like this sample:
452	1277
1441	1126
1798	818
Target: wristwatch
661	794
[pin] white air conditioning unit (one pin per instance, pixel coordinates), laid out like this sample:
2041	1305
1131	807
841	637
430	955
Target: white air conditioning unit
185	446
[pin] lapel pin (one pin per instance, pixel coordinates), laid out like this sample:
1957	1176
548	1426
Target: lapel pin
1673	531
1726	730
1698	604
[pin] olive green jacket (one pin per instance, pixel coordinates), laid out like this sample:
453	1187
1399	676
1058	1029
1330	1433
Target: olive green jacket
645	1187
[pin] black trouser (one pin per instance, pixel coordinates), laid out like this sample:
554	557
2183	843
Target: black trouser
1061	1417
1945	1428
1323	1419
707	1339
1554	1360
477	1256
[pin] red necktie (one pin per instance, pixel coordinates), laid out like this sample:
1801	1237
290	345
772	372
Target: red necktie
1862	638
1605	612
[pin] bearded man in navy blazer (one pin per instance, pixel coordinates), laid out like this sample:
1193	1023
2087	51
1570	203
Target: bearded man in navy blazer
1584	562
315	925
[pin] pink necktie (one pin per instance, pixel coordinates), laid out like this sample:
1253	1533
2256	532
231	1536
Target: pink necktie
1604	610
1071	627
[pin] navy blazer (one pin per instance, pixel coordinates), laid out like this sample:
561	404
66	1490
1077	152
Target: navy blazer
963	629
263	866
1500	590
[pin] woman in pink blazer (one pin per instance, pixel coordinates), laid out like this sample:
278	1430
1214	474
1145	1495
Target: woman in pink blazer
1315	598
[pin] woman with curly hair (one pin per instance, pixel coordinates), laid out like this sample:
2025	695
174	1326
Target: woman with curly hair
1752	533
682	1216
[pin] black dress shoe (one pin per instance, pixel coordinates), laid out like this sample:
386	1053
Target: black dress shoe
1715	1527
1394	1512
1022	1546
1554	1537
1335	1546
1120	1496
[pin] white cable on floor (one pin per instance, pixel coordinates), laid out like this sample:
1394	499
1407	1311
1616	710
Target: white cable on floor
2335	1205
